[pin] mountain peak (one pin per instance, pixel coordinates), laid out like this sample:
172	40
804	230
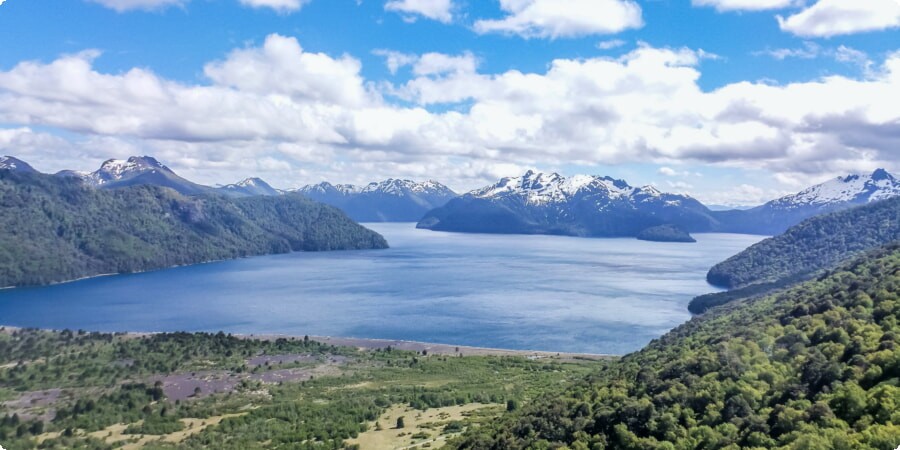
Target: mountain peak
854	189
250	187
113	170
881	174
543	188
15	164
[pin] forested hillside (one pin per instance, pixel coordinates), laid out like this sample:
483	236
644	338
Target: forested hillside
817	243
815	367
54	229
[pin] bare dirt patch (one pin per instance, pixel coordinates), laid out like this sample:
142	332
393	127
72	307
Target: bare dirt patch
183	386
420	427
35	405
114	434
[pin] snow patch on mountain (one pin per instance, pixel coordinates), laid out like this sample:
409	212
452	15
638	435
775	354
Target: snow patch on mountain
539	188
116	169
390	186
879	185
15	164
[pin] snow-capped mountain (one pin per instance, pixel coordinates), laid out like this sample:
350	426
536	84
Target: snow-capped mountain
582	205
391	200
538	188
855	189
836	194
248	188
15	164
136	171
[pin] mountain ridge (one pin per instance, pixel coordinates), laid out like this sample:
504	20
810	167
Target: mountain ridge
582	205
391	200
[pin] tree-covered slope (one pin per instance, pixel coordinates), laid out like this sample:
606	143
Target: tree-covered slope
815	367
815	244
54	229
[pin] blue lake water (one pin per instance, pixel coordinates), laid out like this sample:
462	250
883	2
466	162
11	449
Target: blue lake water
518	292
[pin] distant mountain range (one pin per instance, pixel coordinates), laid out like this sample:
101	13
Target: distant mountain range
534	203
388	201
837	194
548	203
541	203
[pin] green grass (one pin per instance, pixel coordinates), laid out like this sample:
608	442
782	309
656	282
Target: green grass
107	381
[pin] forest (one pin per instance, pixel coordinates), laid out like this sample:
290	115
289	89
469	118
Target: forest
815	244
54	229
813	367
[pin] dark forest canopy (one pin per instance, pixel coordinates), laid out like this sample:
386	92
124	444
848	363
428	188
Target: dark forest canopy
54	229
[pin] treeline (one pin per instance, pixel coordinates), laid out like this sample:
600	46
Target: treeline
816	244
54	229
814	367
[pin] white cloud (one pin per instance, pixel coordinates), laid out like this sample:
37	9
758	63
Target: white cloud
395	60
746	5
563	18
829	18
440	10
812	50
610	44
439	63
282	6
263	109
131	5
667	171
281	66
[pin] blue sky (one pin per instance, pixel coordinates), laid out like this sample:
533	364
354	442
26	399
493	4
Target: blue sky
433	117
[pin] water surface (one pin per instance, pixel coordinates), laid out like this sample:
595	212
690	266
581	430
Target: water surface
519	292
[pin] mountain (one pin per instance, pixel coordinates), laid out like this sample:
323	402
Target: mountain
840	193
802	252
54	229
139	171
391	200
814	367
541	203
815	244
248	188
10	163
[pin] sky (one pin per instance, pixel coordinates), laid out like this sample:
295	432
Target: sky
732	101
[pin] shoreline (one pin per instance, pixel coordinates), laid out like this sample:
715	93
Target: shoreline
368	344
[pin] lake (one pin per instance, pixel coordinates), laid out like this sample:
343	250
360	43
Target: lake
550	293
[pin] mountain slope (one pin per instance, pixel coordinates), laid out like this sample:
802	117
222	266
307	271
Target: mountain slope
539	203
818	243
248	188
815	367
54	229
838	194
391	200
11	163
141	171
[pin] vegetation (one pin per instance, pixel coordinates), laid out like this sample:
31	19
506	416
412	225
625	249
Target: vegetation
54	229
665	233
113	389
814	367
818	243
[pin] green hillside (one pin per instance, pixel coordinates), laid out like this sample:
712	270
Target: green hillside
817	243
55	229
815	367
